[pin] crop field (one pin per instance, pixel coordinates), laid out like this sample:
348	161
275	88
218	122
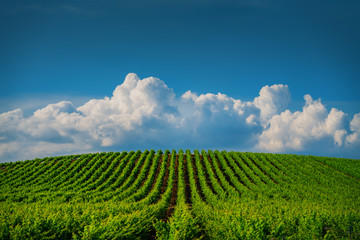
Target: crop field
180	195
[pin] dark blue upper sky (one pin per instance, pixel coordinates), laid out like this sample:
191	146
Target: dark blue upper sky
86	47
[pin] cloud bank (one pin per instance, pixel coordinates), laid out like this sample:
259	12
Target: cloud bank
146	113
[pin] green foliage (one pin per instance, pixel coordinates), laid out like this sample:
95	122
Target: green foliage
184	195
182	225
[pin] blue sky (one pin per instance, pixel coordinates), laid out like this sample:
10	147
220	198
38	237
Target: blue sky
81	50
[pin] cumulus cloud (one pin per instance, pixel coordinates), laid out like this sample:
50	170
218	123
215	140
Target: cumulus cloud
272	100
355	128
146	113
136	113
301	130
134	105
217	120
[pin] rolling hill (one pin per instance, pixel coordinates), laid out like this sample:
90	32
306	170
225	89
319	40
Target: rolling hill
180	195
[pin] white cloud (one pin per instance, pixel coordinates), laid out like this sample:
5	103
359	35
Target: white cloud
309	129
145	113
9	122
272	100
354	138
134	104
136	112
217	120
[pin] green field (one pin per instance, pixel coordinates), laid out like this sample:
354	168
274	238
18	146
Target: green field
180	195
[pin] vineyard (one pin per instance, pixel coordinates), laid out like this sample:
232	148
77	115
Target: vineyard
180	195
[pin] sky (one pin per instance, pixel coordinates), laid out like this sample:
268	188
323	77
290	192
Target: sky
248	75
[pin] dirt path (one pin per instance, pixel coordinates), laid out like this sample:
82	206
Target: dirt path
170	210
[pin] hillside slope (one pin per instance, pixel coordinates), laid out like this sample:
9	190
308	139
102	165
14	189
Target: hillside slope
180	195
